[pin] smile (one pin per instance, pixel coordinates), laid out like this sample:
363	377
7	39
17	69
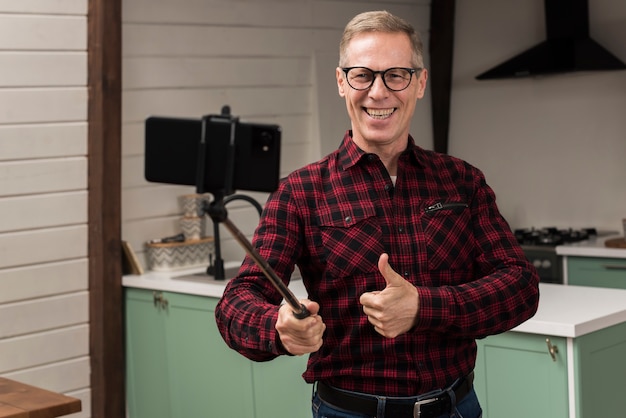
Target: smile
380	113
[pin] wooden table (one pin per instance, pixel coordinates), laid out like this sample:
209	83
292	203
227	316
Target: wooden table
18	400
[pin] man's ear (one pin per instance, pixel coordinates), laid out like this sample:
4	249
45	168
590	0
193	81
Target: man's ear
341	82
421	80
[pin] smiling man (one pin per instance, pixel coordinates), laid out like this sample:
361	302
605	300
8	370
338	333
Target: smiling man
403	252
382	91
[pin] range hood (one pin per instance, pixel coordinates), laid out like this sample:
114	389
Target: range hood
568	47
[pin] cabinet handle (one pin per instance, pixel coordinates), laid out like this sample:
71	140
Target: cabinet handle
552	349
614	266
159	301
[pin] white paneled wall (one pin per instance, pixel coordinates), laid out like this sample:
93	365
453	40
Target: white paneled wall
272	61
44	333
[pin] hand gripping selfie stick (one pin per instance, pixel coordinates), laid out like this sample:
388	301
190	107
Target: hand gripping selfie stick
218	213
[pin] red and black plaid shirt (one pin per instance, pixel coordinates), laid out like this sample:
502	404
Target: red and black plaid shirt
443	232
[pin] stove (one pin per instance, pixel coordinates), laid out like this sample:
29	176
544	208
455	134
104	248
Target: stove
539	245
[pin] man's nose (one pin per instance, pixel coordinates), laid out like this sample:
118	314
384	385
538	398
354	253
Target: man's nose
378	86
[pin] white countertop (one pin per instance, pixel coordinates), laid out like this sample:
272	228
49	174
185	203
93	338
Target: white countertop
593	247
564	311
572	311
193	281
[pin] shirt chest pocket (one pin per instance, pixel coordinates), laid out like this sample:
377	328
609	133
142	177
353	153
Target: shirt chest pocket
448	233
351	239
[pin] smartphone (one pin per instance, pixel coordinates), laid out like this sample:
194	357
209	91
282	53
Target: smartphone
172	147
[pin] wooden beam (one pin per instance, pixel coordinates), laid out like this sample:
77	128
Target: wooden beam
108	394
441	52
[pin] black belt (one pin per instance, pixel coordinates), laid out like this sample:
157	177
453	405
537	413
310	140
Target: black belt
432	407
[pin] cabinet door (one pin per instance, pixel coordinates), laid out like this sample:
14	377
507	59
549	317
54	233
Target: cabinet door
147	374
599	272
178	365
207	377
601	372
279	389
516	376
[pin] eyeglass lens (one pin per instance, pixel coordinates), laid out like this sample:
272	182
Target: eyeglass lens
361	78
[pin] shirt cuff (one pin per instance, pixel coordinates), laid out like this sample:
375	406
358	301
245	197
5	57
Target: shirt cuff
434	308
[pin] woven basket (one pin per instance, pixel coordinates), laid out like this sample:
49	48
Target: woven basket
177	255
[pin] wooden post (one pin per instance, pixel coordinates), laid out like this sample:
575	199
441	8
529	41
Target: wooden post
106	341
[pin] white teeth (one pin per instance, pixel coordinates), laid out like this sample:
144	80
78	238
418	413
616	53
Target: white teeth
379	113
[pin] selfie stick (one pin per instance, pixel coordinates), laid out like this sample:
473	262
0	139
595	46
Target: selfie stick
218	213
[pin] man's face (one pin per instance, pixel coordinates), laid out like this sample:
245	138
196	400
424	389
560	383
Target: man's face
381	117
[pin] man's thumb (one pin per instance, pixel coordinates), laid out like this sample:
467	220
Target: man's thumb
391	277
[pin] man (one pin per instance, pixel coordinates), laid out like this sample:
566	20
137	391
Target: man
403	252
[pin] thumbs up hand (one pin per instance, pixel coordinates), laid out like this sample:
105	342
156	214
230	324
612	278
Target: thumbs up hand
393	310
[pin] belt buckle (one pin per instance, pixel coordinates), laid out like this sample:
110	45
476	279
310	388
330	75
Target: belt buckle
417	407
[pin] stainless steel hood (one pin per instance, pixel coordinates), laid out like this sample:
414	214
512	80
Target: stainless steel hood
568	47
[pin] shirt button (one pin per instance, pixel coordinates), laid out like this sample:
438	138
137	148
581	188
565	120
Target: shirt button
387	187
406	274
400	229
371	157
348	219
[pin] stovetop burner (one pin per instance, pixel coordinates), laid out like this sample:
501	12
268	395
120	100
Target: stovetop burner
551	236
539	247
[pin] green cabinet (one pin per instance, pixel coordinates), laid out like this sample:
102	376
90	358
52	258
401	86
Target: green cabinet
522	375
517	378
177	365
598	272
146	360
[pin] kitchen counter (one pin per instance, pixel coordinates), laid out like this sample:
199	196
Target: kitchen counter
564	311
593	247
193	281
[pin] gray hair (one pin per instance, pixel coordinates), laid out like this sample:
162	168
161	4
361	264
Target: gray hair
380	21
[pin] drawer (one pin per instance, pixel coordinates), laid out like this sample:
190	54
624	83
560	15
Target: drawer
598	272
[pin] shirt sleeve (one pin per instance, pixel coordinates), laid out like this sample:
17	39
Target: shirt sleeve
505	291
247	312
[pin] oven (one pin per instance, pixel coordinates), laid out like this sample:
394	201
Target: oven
539	245
548	263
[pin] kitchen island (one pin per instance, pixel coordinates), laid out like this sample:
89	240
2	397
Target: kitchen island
566	361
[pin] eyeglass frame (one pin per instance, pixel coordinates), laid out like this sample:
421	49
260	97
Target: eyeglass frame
382	76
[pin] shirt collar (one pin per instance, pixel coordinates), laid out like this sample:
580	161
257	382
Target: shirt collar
350	154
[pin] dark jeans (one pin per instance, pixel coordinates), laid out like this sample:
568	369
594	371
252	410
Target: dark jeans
469	407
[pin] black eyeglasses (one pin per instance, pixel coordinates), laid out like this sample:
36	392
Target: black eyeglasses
395	79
